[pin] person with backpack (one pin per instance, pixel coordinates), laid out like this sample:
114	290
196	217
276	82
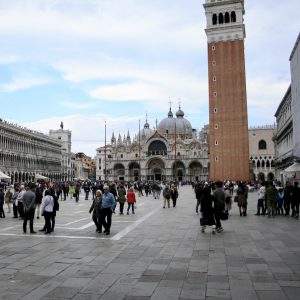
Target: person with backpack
38	198
279	201
219	204
131	200
166	195
198	191
228	198
121	197
47	211
207	210
174	194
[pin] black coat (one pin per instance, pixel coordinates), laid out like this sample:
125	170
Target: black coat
207	209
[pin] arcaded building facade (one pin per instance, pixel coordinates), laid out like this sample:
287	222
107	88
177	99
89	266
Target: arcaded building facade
295	90
25	153
262	151
283	139
228	118
171	151
67	164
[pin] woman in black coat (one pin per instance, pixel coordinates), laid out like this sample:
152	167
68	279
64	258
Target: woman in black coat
55	208
207	210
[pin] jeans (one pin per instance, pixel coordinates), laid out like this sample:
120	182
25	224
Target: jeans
106	218
271	208
132	207
260	205
47	216
218	218
197	205
28	215
121	208
166	201
97	222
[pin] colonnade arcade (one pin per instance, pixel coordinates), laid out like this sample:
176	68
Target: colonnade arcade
24	153
158	169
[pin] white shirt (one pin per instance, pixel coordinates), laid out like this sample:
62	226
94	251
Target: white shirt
47	204
262	192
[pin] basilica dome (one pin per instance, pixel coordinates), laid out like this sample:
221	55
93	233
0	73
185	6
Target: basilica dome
146	132
183	126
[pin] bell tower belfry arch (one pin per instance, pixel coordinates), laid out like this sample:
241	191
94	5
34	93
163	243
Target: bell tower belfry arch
228	117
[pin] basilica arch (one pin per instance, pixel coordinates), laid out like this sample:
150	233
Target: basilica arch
196	171
178	171
157	147
156	169
134	171
119	171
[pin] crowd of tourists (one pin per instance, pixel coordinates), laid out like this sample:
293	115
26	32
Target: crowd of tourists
214	200
27	200
274	201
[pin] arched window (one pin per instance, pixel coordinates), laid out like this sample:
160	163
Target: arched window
263	164
267	164
214	19
227	19
258	164
221	18
157	148
233	17
262	145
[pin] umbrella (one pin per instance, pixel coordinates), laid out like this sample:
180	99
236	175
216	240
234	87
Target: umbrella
4	176
39	176
295	167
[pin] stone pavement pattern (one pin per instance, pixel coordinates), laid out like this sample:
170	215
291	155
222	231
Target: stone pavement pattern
155	254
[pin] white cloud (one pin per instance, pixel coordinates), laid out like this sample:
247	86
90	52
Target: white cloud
23	82
132	22
151	85
88	131
8	59
146	51
79	106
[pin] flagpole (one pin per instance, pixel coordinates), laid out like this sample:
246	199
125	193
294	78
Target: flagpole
175	163
140	177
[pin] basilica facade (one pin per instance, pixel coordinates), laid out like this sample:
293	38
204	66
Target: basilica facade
171	151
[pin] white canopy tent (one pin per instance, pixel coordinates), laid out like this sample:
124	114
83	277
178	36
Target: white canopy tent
295	167
39	176
4	176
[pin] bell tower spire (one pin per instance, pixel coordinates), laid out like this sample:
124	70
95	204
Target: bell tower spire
228	117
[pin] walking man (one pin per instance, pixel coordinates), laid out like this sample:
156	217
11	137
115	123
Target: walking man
108	205
29	207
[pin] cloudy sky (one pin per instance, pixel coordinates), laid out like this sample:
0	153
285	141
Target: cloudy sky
86	61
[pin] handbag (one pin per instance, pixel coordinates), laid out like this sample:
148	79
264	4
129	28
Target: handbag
74	195
224	215
202	221
227	200
236	199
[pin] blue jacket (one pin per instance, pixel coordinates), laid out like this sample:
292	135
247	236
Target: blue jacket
108	200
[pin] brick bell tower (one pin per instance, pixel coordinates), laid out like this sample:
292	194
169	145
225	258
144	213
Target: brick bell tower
228	119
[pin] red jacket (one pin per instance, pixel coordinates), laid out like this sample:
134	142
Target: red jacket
131	197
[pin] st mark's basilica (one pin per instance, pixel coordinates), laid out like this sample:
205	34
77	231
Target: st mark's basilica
173	150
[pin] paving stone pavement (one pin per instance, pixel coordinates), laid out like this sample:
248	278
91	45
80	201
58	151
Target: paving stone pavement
154	254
